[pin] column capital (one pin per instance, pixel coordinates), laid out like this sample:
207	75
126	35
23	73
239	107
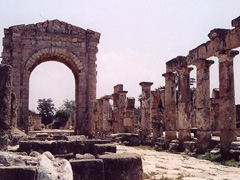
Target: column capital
169	75
184	70
226	55
145	84
202	63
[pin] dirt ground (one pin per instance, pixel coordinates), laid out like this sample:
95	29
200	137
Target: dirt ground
166	166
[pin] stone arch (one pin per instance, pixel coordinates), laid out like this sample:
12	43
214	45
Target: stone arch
53	54
27	46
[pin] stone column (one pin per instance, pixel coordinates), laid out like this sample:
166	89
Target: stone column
227	117
129	120
92	42
184	106
146	109
203	104
119	108
170	107
5	105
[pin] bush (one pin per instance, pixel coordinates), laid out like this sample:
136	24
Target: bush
60	118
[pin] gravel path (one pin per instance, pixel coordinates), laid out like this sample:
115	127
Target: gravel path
163	165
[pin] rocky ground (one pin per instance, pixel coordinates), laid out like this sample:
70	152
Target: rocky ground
166	166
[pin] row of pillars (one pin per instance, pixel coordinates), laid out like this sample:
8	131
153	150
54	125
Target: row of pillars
227	118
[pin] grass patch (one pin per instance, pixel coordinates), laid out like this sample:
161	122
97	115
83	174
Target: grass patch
231	162
210	157
185	157
217	159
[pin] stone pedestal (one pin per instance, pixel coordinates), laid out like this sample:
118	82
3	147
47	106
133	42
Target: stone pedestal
184	106
227	117
203	104
170	108
146	123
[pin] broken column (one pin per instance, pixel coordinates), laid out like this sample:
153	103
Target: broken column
119	108
129	119
227	117
103	115
214	110
184	106
170	107
5	105
203	104
122	109
146	123
157	103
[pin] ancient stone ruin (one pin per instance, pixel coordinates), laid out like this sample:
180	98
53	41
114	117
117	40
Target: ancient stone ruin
174	117
52	155
27	46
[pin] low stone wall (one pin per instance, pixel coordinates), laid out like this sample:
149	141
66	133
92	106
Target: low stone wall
36	166
60	146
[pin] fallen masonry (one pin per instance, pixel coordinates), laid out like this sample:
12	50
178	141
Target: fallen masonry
69	160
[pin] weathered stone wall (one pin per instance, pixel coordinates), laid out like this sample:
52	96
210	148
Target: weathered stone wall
35	122
27	46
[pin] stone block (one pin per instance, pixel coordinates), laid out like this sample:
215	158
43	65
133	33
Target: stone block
189	146
217	33
66	147
90	143
102	148
203	141
236	22
85	156
80	146
88	169
17	173
25	146
123	166
54	147
173	145
41	146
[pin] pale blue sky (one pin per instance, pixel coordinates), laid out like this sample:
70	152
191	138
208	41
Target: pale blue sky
137	38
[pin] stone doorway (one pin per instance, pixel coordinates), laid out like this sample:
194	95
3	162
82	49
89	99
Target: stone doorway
27	46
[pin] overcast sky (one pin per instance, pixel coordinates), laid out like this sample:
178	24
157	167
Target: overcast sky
137	38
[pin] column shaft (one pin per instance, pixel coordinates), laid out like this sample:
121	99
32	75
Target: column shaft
227	118
203	104
146	109
184	120
170	107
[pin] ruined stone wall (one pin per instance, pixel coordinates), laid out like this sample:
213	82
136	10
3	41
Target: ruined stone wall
27	46
35	122
5	105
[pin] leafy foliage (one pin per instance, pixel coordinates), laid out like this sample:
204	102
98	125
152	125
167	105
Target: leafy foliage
46	108
60	118
70	106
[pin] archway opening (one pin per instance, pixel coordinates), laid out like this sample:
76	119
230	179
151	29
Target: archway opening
50	80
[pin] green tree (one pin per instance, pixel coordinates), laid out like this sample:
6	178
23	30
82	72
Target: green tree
70	106
46	109
61	118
